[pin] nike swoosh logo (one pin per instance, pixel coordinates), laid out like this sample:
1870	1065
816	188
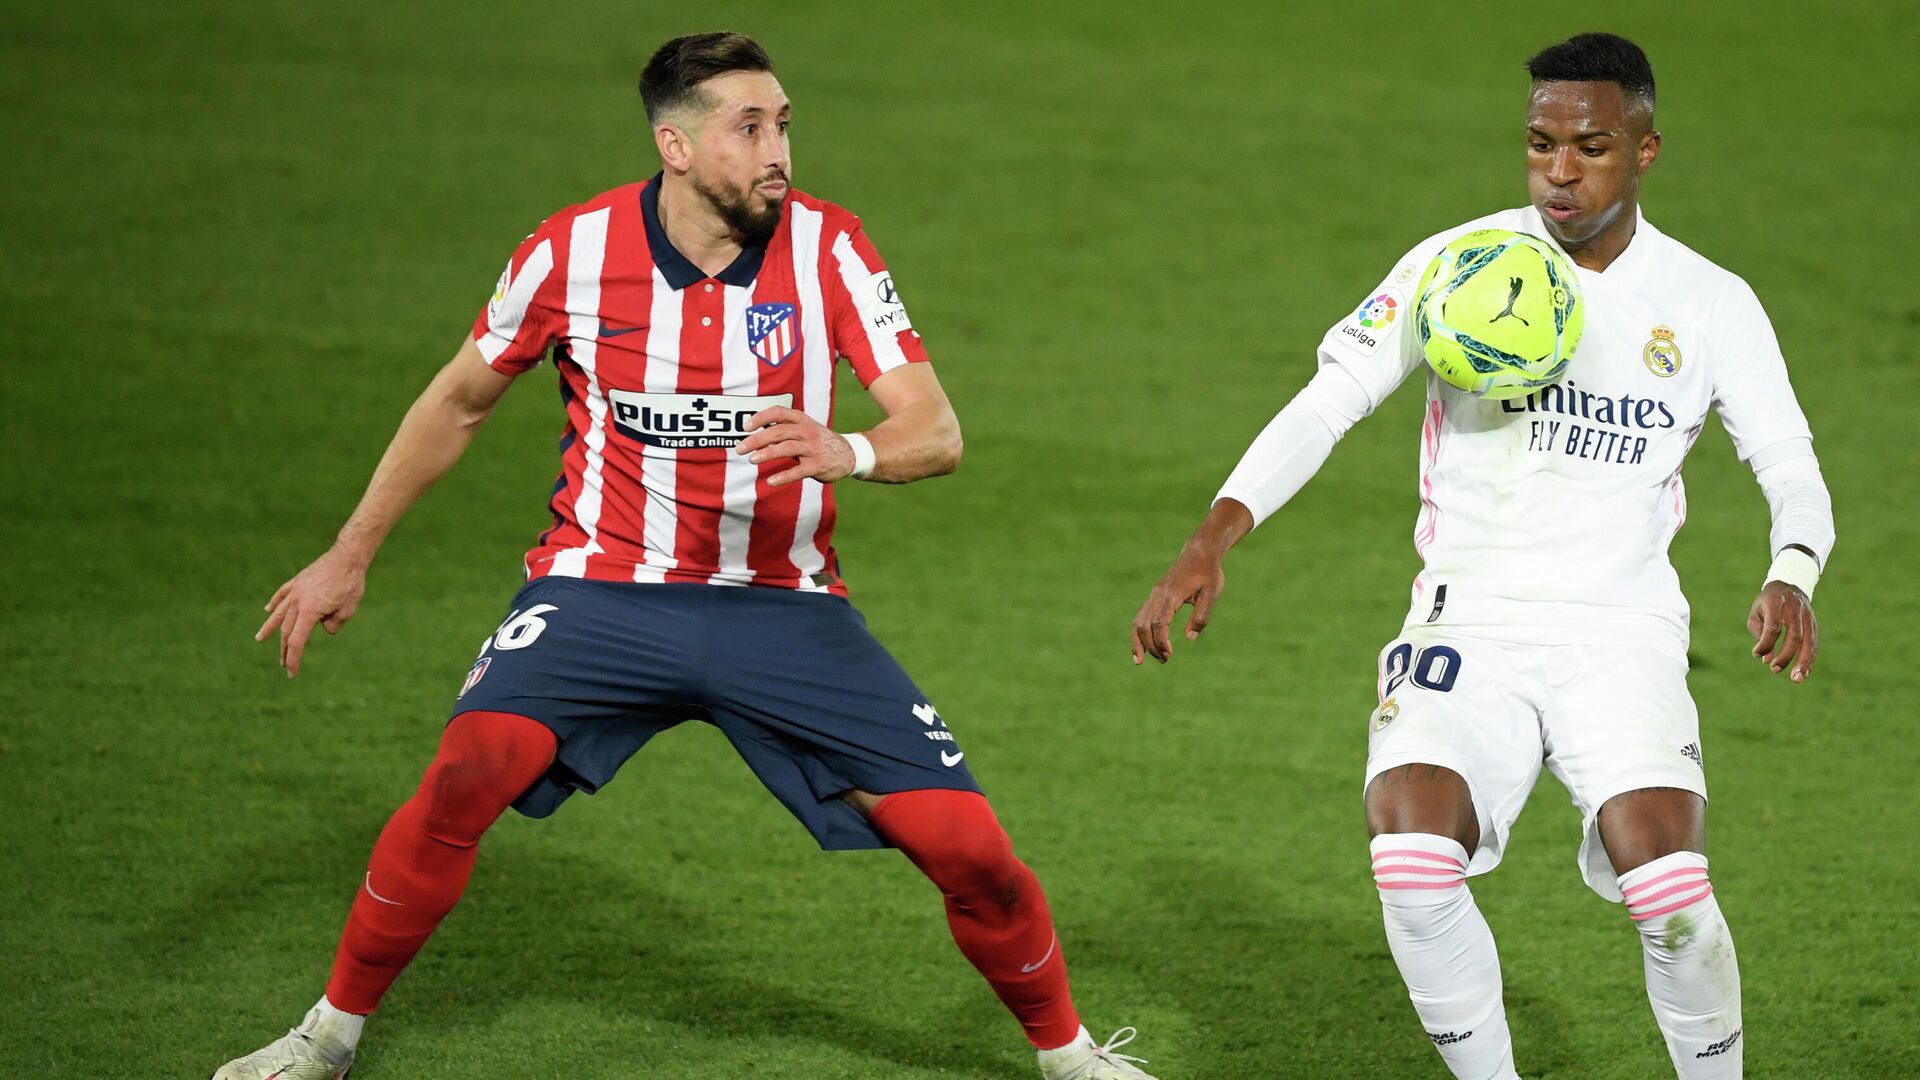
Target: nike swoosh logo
376	896
950	760
616	331
1028	969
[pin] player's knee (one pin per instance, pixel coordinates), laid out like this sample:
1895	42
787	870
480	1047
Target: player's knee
1644	826
954	838
1426	799
980	866
1664	895
459	798
1416	869
971	843
485	761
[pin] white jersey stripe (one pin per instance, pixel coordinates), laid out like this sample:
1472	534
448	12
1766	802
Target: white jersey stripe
657	465
505	315
854	273
586	254
817	382
739	375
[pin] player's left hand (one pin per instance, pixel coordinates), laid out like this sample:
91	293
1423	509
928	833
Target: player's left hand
818	451
1783	627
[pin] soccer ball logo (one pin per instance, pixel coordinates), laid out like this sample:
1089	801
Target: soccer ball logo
1499	313
1377	313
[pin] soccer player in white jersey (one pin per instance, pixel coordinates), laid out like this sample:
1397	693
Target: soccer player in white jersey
1548	625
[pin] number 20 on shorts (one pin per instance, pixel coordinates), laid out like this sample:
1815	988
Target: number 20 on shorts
1432	668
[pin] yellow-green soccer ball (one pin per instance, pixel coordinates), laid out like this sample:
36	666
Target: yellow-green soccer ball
1499	313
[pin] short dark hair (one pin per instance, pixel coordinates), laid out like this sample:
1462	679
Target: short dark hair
1597	58
673	76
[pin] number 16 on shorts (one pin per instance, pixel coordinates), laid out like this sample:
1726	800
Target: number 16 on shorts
519	630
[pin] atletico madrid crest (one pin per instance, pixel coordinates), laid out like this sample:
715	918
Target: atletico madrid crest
771	333
479	669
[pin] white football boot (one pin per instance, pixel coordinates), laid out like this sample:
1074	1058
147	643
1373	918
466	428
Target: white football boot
1083	1059
308	1052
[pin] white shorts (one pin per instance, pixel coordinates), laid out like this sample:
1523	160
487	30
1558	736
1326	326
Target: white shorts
1606	719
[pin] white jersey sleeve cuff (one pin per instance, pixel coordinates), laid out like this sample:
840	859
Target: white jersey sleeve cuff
1296	442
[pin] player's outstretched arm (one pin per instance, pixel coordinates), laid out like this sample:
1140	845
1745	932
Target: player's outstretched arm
1195	578
919	438
431	438
1292	447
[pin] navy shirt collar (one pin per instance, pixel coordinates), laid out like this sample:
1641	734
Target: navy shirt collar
675	267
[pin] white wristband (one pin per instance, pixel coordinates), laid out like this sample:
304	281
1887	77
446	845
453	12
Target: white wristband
864	458
1796	568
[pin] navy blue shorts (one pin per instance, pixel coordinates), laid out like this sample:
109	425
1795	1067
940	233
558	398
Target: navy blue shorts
814	704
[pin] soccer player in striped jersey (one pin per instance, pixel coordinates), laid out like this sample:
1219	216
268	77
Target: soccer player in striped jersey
1547	626
695	320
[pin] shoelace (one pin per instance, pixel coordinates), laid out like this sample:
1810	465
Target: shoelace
1117	1040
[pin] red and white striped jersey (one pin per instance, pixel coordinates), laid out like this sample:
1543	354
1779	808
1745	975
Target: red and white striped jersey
660	367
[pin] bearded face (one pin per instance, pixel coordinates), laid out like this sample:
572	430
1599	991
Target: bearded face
735	152
752	211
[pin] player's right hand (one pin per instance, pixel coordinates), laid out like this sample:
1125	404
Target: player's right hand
1195	578
326	593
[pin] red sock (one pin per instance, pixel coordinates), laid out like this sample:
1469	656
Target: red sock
424	856
995	906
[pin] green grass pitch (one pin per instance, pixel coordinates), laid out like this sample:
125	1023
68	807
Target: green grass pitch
239	237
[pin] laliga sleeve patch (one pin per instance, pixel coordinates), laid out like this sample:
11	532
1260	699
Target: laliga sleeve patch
1370	323
500	293
879	304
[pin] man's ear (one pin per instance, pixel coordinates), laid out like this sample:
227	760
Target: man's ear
1649	149
675	144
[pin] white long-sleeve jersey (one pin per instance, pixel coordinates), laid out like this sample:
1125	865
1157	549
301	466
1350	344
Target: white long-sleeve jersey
1550	516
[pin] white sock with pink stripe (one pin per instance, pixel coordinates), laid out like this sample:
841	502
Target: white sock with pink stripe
1693	979
1445	952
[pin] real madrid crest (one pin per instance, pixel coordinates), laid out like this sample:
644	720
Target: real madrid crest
1662	356
1389	710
